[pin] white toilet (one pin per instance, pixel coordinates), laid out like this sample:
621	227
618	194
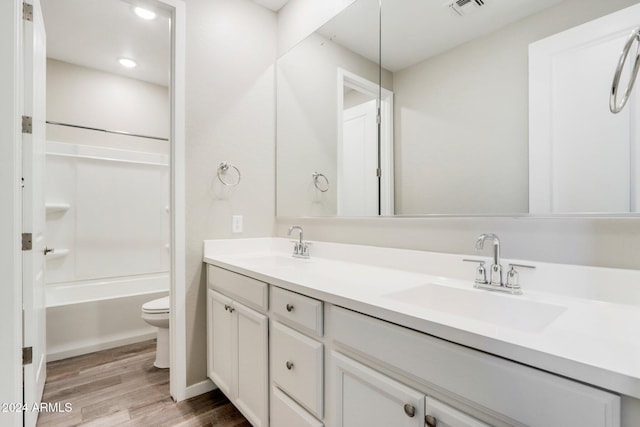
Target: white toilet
156	313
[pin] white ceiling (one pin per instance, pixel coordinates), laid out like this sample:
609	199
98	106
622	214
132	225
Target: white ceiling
274	5
413	30
95	33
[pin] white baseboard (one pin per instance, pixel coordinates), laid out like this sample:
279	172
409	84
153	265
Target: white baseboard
60	353
199	388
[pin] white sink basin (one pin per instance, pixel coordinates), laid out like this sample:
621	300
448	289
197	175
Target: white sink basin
515	312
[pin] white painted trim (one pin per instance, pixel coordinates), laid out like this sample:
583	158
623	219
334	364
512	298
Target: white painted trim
387	202
98	345
199	388
178	321
10	208
356	82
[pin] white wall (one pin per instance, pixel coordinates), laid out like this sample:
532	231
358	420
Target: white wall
231	49
299	18
92	98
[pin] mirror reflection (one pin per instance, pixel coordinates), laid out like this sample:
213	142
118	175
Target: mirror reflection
498	107
327	130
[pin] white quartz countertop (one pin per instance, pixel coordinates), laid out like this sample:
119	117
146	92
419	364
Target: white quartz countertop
579	322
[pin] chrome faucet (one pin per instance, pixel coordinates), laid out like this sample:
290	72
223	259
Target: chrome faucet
300	248
496	268
495	282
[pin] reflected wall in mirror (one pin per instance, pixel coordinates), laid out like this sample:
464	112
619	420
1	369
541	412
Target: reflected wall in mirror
496	111
466	122
327	91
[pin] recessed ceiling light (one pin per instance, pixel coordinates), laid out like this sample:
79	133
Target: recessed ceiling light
144	13
126	62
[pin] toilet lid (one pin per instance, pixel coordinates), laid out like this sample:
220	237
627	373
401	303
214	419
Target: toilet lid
160	305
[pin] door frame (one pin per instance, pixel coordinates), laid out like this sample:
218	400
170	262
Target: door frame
356	82
11	90
177	317
11	83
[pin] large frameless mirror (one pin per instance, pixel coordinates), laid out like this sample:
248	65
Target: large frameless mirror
494	107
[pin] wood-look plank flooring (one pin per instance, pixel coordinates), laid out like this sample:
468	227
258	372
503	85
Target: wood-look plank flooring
121	387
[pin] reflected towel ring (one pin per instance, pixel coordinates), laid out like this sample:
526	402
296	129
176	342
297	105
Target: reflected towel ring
322	187
614	106
223	168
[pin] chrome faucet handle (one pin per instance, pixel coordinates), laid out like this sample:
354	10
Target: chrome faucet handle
513	280
496	275
481	272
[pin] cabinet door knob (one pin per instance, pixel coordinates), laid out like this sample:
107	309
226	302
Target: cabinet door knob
289	365
431	421
226	307
289	308
410	410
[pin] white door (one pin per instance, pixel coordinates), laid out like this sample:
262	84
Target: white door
33	211
253	362
359	180
582	158
364	397
221	343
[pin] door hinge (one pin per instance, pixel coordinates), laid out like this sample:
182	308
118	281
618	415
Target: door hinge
378	119
27	124
27	355
27	11
378	172
27	242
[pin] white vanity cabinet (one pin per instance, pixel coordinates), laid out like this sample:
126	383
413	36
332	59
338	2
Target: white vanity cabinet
506	392
296	359
237	343
364	396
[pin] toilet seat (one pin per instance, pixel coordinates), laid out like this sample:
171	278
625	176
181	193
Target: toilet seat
157	306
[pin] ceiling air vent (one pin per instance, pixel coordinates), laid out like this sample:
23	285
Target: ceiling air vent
465	7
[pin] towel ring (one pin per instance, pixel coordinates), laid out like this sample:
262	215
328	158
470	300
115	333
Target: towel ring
223	168
322	187
614	106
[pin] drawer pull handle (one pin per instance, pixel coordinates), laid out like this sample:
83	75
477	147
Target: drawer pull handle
431	421
289	308
410	410
289	365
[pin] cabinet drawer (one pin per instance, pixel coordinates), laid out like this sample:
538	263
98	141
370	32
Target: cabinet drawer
297	366
245	289
298	311
287	413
